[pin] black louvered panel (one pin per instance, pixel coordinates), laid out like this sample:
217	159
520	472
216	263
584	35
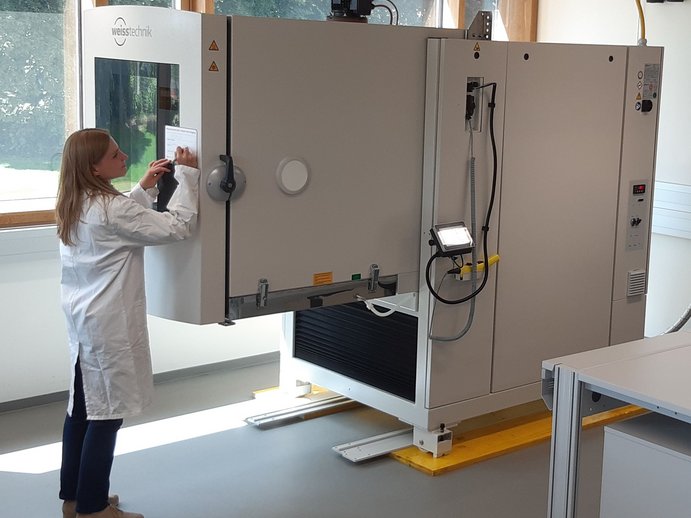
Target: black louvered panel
350	340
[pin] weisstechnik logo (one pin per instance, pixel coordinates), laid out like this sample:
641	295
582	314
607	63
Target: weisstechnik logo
121	31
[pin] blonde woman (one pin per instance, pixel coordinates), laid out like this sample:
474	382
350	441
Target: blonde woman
102	238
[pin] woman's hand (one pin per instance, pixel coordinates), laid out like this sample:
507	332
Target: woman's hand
184	156
156	169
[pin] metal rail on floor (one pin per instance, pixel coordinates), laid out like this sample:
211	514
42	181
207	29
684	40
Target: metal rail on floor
376	446
327	405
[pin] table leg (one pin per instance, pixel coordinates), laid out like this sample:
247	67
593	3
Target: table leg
566	429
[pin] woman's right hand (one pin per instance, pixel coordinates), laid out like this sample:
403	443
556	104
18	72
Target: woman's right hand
184	156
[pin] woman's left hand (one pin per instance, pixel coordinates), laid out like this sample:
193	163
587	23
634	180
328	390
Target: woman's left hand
157	168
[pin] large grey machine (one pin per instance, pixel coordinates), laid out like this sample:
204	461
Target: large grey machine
338	158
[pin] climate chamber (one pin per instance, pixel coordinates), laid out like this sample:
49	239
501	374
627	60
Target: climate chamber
346	144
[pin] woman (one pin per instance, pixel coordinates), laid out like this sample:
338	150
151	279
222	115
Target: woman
102	238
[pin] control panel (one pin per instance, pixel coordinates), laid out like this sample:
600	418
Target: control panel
639	210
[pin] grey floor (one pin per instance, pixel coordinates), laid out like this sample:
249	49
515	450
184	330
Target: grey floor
288	471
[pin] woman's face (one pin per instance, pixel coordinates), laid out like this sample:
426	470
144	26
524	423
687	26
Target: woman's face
113	164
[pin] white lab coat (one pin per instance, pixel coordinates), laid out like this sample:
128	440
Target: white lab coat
103	292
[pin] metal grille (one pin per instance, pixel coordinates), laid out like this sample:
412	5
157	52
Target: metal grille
636	283
350	340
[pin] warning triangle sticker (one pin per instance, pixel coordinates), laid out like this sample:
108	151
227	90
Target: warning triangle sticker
638	97
213	67
476	48
213	46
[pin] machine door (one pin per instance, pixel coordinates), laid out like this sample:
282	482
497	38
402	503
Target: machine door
326	124
562	146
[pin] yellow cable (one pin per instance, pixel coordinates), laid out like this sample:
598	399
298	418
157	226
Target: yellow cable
641	17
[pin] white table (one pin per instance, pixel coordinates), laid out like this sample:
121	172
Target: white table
654	373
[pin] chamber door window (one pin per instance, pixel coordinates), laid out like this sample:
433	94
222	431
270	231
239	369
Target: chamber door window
135	100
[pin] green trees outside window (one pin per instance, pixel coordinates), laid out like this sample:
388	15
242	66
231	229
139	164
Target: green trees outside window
32	88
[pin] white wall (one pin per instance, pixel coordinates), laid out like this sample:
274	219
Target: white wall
33	339
612	22
616	22
669	283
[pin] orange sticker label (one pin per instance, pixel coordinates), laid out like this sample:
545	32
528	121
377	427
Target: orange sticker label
319	279
213	46
213	67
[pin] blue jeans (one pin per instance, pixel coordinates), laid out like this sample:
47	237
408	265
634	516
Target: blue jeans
87	454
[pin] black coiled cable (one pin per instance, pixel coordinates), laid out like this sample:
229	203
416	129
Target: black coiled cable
485	228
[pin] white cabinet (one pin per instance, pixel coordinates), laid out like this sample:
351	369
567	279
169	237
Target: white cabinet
646	468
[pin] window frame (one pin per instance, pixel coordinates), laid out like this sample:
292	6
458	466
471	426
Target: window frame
516	30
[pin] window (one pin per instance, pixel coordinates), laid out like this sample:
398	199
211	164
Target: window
410	12
38	103
517	18
135	100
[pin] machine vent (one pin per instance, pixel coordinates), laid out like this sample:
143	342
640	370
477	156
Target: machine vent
350	340
636	283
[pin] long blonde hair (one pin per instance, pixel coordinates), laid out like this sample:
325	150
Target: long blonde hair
83	149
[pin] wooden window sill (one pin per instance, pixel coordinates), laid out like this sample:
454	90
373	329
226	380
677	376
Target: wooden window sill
26	219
